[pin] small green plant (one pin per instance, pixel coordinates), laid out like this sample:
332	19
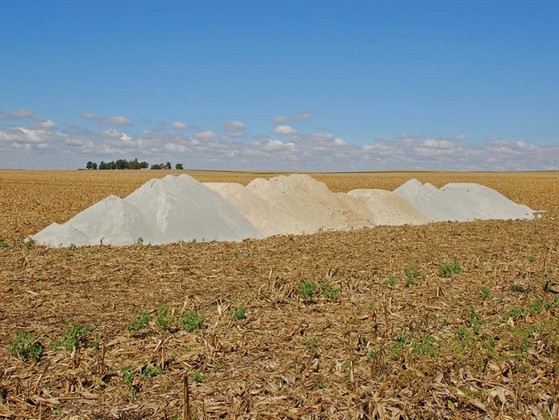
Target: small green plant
411	274
140	320
485	292
449	269
74	338
390	281
238	313
198	376
192	321
29	242
330	291
426	346
531	258
475	320
26	347
140	241
150	371
165	320
127	375
312	343
3	243
517	313
236	255
307	290
536	306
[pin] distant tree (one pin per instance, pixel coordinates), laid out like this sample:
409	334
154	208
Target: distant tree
168	165
103	165
155	166
94	166
178	166
121	164
89	165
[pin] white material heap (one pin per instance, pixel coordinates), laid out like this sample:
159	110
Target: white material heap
174	209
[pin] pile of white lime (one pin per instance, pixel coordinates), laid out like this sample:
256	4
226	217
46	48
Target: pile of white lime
175	209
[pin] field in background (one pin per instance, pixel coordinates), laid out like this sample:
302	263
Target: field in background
444	320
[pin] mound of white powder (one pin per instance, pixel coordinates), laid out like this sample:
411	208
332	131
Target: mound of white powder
174	209
312	203
267	218
388	208
161	211
484	203
461	202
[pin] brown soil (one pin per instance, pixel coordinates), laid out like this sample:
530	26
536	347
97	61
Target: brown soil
482	343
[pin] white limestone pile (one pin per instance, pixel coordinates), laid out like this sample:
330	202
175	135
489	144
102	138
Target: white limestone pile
267	218
312	203
484	203
388	208
161	211
461	202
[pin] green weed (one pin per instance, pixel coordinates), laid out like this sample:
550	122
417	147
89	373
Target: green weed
74	338
307	290
165	320
449	269
192	321
411	274
313	343
140	320
26	347
330	291
390	281
485	292
238	313
198	376
127	375
150	371
3	243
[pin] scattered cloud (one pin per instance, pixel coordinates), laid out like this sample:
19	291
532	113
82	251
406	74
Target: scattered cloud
205	135
234	129
28	140
285	130
118	120
299	117
177	125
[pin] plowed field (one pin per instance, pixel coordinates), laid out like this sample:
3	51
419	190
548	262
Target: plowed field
447	320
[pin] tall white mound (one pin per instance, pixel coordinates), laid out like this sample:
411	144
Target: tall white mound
161	211
110	221
461	202
312	203
388	208
431	202
484	203
267	218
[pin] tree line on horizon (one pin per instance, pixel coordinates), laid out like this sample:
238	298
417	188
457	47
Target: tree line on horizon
129	164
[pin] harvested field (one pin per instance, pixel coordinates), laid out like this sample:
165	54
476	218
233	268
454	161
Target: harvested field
446	320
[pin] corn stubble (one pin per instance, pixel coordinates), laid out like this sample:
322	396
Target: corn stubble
483	342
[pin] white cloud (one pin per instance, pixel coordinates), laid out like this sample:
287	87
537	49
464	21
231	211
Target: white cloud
437	144
118	120
204	135
177	125
285	130
234	129
176	148
39	142
48	124
299	117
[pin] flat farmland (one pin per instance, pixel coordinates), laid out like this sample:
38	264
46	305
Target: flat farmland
446	320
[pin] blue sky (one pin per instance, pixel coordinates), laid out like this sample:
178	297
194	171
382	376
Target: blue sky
291	85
